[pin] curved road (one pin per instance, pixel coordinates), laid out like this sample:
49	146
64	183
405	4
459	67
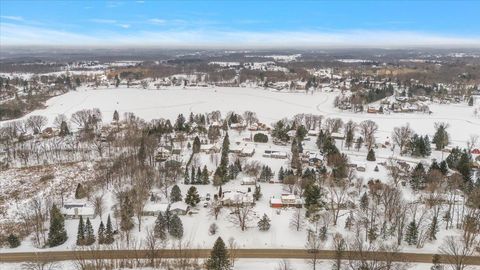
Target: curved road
241	253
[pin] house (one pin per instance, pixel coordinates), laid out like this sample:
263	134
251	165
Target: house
476	151
312	132
209	148
248	181
247	151
76	209
180	208
153	209
337	136
162	154
230	198
275	154
286	200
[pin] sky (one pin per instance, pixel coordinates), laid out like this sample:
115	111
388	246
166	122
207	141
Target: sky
241	24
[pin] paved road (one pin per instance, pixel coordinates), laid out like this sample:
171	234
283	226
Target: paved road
202	253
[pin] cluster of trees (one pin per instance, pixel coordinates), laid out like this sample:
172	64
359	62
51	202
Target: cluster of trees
168	222
201	177
266	174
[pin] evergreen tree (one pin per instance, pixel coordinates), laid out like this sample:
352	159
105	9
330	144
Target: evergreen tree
313	199
320	139
80	192
109	232
186	176
257	194
295	154
364	202
116	117
13	241
349	137
64	131
175	194
192	197
219	257
192	176
196	145
417	178
176	227
371	155
444	167
57	234
101	233
89	234
198	179
81	232
160	229
441	137
264	223
281	174
205	179
470	101
411	235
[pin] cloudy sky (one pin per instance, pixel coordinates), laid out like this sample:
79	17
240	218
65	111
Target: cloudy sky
241	24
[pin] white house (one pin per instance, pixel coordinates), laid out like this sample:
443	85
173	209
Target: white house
230	198
75	209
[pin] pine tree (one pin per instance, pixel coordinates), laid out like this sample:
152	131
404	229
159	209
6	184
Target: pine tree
101	233
109	232
196	145
349	138
433	229
444	167
257	194
264	223
219	257
198	179
371	155
89	234
192	177
186	179
295	154
176	227
192	197
175	194
417	179
411	236
281	174
64	129
160	229
57	234
441	137
13	241
205	179
364	202
80	192
81	232
116	117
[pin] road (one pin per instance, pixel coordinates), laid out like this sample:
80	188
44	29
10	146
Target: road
203	253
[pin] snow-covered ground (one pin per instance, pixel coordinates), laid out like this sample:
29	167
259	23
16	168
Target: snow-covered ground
270	106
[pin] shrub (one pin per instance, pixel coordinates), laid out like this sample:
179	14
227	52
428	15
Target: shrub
260	137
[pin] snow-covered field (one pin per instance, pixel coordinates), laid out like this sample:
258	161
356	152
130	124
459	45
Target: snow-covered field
270	106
